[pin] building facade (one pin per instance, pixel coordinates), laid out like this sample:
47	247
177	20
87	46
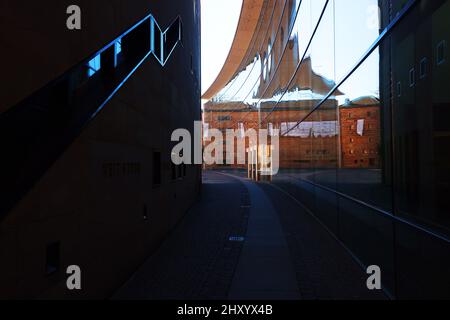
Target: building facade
86	118
357	89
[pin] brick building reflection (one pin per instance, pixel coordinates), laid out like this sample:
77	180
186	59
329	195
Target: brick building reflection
344	136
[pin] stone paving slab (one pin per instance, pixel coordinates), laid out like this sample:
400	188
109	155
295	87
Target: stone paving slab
324	269
198	262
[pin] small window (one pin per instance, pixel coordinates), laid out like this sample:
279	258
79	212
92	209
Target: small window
118	47
145	213
52	263
264	70
94	65
180	171
117	51
270	129
399	89
174	171
270	56
412	77
441	48
224	118
195	11
171	37
423	68
291	44
156	168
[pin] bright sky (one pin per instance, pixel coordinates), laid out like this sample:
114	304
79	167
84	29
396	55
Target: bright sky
219	23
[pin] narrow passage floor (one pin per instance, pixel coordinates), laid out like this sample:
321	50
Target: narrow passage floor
244	240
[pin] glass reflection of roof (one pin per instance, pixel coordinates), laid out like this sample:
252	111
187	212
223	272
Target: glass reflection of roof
290	96
245	80
362	101
239	79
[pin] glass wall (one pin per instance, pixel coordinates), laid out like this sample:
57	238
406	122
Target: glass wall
358	92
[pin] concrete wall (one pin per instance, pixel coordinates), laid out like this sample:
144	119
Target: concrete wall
98	201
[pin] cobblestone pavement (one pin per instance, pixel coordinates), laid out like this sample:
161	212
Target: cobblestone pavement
198	260
324	269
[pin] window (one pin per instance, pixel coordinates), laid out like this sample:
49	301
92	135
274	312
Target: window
94	65
423	68
264	70
52	263
270	129
195	11
174	171
412	77
170	39
441	47
205	130
269	61
180	171
223	118
117	51
241	130
156	168
118	47
145	213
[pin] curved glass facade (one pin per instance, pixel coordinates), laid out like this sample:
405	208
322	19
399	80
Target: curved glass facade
357	90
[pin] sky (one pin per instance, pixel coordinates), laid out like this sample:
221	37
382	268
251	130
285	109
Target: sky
219	23
352	36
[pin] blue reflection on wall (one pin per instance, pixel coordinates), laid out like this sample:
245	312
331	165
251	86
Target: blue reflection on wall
94	65
117	51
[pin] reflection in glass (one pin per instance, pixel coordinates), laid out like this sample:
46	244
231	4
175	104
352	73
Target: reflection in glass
94	65
369	127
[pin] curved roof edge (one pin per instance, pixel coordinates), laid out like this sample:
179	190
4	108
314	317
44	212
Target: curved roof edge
250	14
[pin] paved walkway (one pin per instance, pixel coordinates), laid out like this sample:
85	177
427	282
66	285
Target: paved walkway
248	241
265	269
